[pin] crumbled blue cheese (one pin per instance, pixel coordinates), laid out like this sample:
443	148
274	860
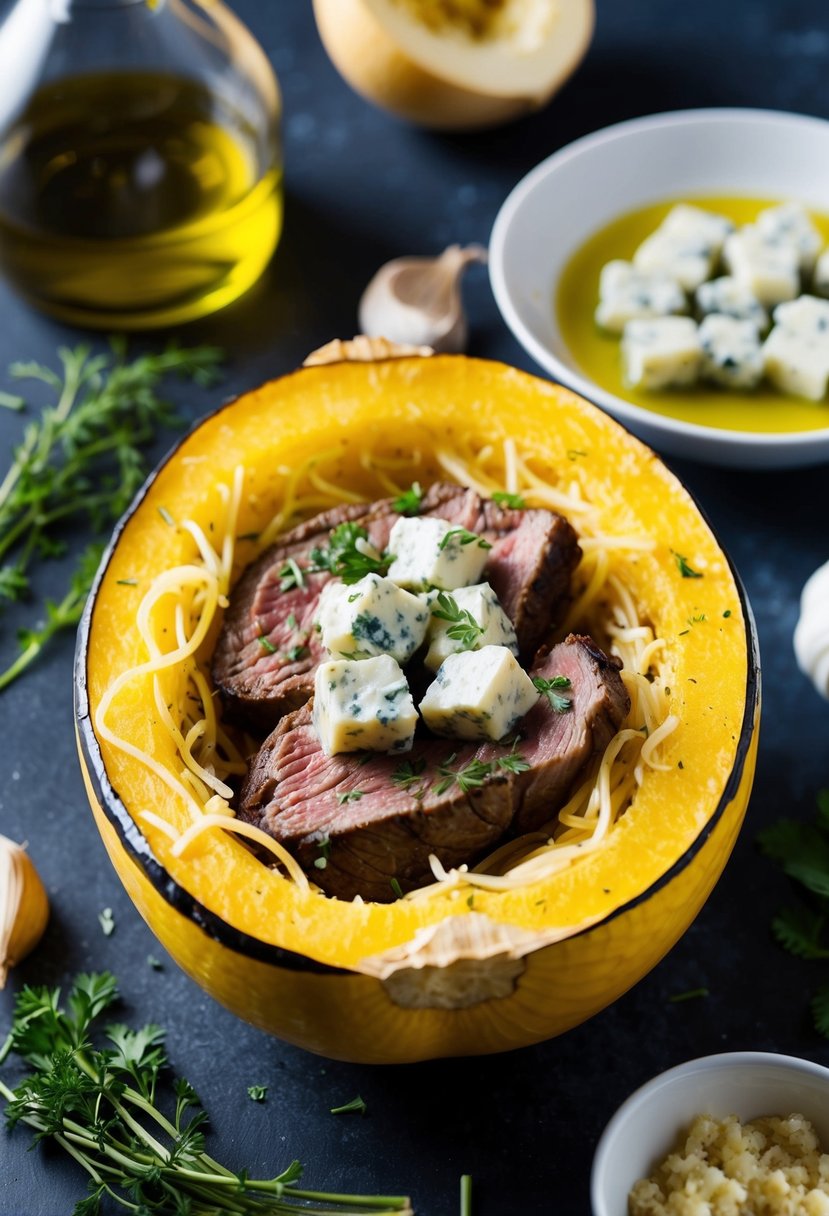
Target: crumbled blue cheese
789	224
627	294
821	279
731	299
770	271
478	694
707	227
369	617
494	628
430	552
664	353
796	352
731	351
363	705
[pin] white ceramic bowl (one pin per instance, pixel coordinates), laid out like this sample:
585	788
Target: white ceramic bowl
748	1084
580	189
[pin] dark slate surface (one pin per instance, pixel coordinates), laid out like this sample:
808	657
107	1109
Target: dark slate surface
362	188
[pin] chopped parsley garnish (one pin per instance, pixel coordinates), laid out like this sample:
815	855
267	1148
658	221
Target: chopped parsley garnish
550	689
691	995
291	575
396	887
409	501
257	1093
291	621
294	653
349	796
127	582
107	922
504	499
355	1107
464	628
727	613
345	558
353	656
266	644
682	566
463	537
320	862
408	773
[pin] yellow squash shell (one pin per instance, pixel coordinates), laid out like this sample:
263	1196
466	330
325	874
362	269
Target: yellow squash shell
413	980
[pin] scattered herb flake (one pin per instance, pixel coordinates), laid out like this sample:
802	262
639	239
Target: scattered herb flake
291	575
463	537
727	613
408	773
346	558
107	922
691	995
504	499
266	644
409	501
550	688
257	1093
321	863
291	621
396	887
463	628
682	566
155	963
126	582
248	536
355	1107
295	653
349	796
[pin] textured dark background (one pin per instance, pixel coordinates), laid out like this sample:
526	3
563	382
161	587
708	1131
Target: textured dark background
362	188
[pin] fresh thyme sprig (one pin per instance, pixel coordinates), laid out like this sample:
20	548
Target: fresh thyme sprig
462	536
80	463
550	688
102	1105
464	628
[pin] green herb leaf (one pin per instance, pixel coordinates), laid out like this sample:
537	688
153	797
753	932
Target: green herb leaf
691	995
503	499
266	644
800	930
291	575
396	887
550	688
462	536
683	567
408	773
409	501
349	555
464	628
257	1093
355	1106
295	653
349	796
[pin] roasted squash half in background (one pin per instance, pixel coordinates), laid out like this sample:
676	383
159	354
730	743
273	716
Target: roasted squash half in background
463	970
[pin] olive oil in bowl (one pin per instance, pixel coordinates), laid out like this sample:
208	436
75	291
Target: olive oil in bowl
135	199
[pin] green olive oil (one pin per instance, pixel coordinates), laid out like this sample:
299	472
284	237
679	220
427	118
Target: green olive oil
133	200
599	356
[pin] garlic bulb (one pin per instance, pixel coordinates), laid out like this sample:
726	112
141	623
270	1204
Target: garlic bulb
811	635
418	300
24	908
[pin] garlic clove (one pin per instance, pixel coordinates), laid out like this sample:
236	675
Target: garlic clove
417	300
811	635
24	907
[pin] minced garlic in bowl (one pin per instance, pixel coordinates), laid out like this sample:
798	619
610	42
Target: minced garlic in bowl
721	1167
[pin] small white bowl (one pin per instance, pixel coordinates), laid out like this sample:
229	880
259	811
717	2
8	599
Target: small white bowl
580	189
748	1084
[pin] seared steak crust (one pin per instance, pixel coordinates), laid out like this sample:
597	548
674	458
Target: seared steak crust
374	819
268	650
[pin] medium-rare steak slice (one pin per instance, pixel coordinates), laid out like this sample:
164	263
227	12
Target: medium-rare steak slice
374	819
268	650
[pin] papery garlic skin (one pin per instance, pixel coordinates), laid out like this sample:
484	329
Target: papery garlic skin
417	300
24	906
811	635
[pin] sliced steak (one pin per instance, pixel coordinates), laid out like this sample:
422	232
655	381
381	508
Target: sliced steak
371	823
268	650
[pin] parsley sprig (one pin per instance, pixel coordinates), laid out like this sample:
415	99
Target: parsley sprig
103	1105
408	503
462	536
463	628
802	851
346	558
78	465
550	688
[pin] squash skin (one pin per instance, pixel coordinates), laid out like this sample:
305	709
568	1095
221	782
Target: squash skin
302	988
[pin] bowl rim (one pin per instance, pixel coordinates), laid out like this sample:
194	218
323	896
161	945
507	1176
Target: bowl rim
701	1064
578	381
136	845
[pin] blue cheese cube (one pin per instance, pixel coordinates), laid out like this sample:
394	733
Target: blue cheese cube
627	294
770	271
371	617
478	694
682	248
706	227
664	353
789	224
363	705
433	553
796	352
821	279
731	352
731	299
468	619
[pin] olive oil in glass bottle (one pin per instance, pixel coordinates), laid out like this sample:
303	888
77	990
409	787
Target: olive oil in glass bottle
140	175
